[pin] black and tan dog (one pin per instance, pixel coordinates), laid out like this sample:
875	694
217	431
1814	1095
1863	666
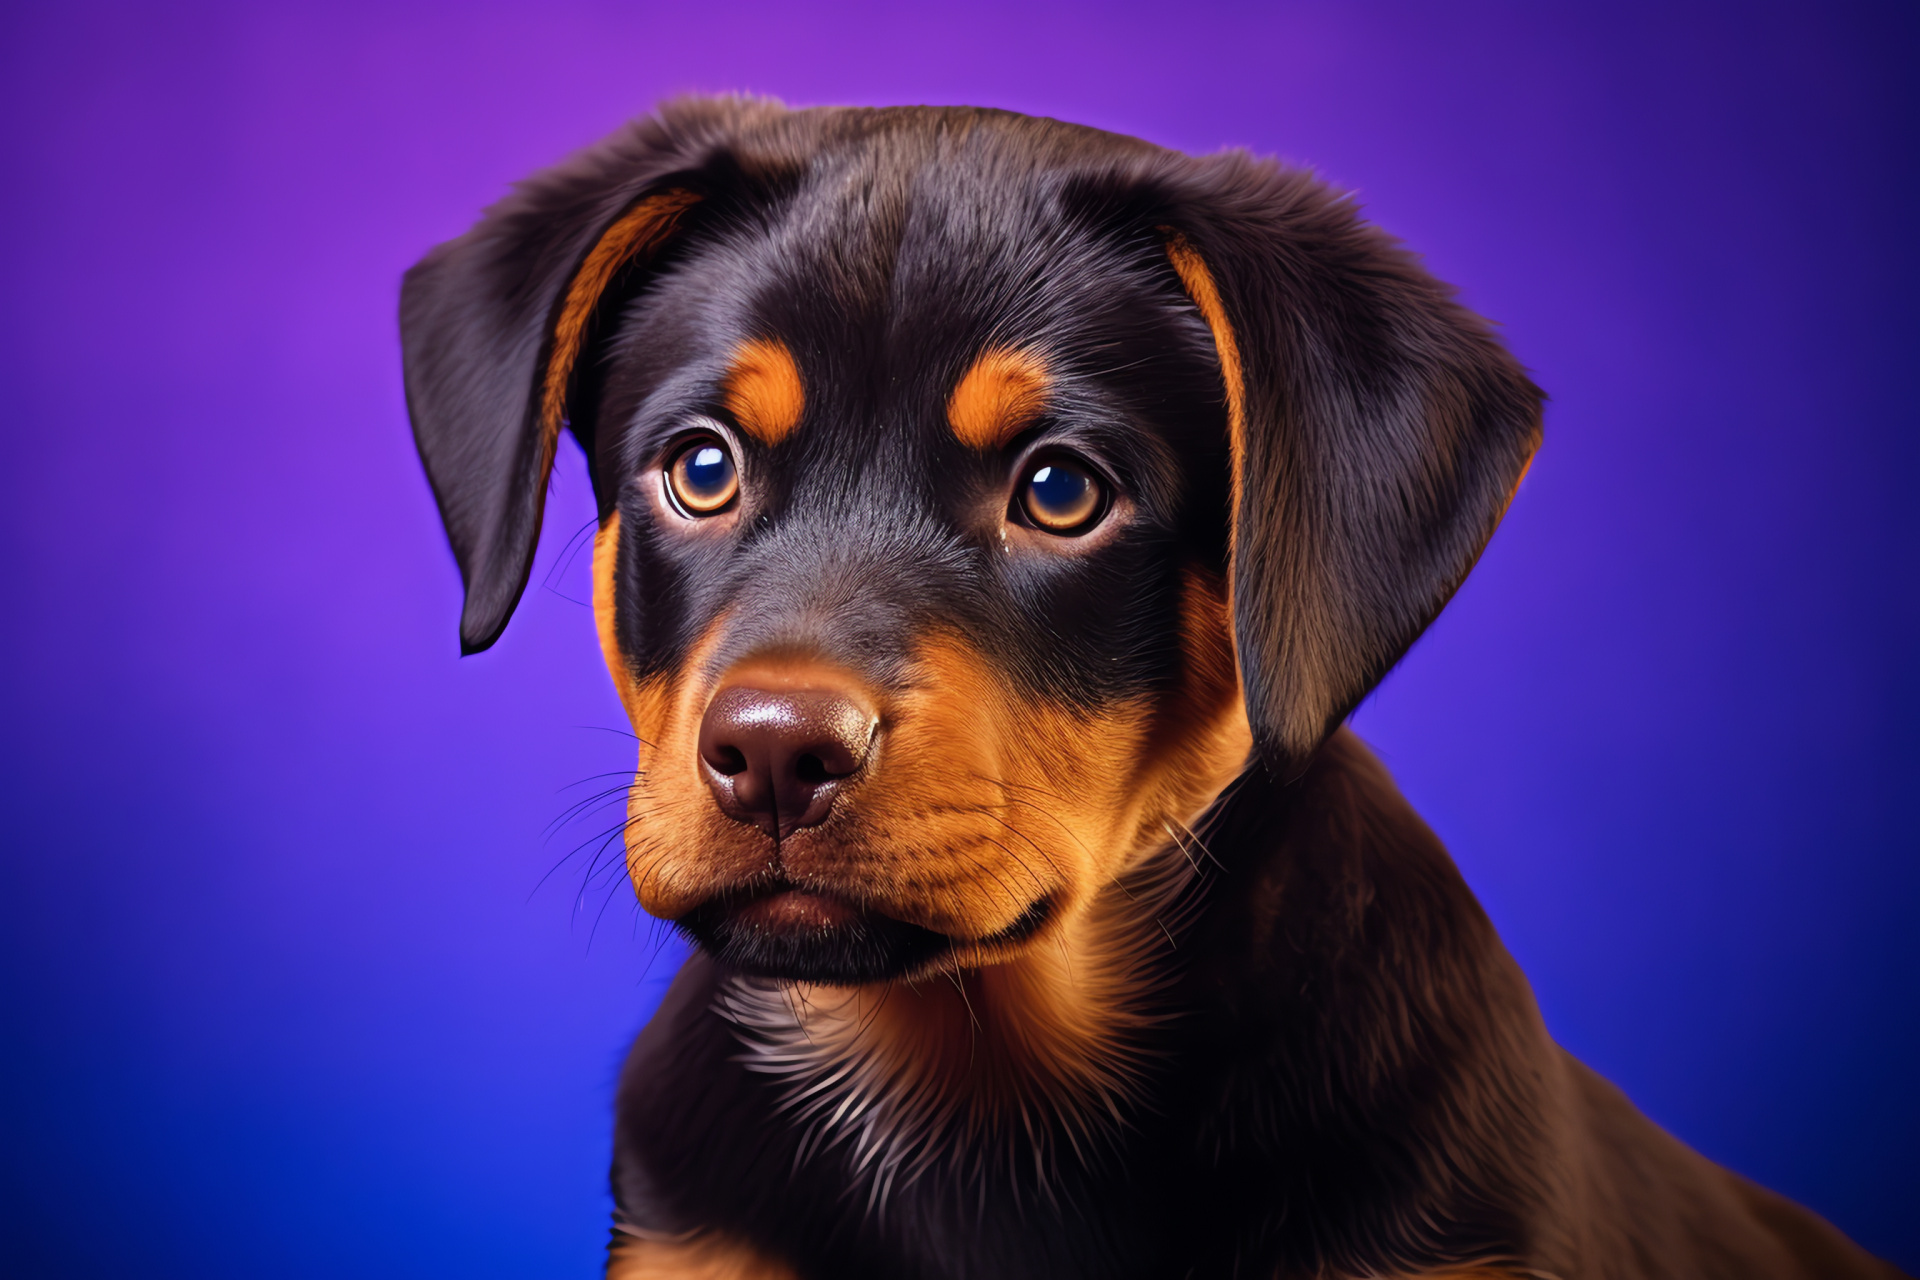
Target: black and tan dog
998	518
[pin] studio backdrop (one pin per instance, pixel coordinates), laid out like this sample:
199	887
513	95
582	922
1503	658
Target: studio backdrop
314	958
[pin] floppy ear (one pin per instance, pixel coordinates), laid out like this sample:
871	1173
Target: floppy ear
493	327
1377	431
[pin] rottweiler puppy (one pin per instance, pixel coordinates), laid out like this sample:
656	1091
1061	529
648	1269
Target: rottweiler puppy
998	519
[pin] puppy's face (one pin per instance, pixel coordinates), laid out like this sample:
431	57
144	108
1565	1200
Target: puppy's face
914	581
974	490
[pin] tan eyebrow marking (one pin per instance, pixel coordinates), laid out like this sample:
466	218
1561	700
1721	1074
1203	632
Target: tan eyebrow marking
1003	392
763	391
638	233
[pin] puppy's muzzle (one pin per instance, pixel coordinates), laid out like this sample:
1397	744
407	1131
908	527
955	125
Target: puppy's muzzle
776	758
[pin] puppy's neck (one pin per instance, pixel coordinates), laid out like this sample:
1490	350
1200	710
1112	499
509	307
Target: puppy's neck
1050	1047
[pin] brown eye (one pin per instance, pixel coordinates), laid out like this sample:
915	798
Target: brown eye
702	478
1062	496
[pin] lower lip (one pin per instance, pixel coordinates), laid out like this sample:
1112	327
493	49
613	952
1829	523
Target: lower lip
792	911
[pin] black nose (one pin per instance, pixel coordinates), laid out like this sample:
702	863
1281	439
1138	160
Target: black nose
775	759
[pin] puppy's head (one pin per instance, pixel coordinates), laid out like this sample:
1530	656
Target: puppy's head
976	492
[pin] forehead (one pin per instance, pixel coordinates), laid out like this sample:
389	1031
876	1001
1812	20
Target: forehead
888	268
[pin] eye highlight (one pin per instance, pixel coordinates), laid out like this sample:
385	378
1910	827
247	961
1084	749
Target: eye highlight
1062	496
702	478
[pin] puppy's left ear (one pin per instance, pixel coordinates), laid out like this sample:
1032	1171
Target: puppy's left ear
491	326
496	326
1377	430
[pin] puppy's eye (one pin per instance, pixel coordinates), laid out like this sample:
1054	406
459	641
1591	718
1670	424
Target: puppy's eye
1062	496
702	478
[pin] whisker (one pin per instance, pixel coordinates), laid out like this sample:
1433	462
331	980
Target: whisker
564	562
620	733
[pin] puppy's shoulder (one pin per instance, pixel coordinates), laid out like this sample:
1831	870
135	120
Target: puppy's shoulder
1334	872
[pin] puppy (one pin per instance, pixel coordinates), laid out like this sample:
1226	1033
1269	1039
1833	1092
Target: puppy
998	519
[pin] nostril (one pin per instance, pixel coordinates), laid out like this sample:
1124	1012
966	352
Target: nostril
810	768
836	756
727	760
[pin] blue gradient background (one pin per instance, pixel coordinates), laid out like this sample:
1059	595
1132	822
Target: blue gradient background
282	989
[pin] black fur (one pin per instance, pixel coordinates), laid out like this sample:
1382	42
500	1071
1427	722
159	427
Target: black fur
1387	427
1350	1077
1358	1084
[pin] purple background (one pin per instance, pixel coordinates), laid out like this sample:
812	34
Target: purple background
281	985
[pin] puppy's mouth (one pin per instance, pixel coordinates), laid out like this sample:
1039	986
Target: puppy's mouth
794	934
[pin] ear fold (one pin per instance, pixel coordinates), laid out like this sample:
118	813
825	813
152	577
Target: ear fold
493	327
1378	431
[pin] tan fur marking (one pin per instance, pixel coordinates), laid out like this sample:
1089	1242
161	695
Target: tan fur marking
763	390
702	1256
606	551
665	713
996	398
1198	281
1522	479
638	233
1205	722
680	847
1092	809
982	800
952	1071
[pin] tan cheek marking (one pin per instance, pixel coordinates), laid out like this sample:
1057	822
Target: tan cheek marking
638	233
677	842
1198	282
633	695
1003	392
1206	639
1007	797
763	391
1048	1028
1010	797
706	1256
1051	1025
1201	737
663	710
1004	798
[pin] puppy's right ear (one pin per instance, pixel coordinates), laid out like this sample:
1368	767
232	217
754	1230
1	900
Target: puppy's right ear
1377	430
494	325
